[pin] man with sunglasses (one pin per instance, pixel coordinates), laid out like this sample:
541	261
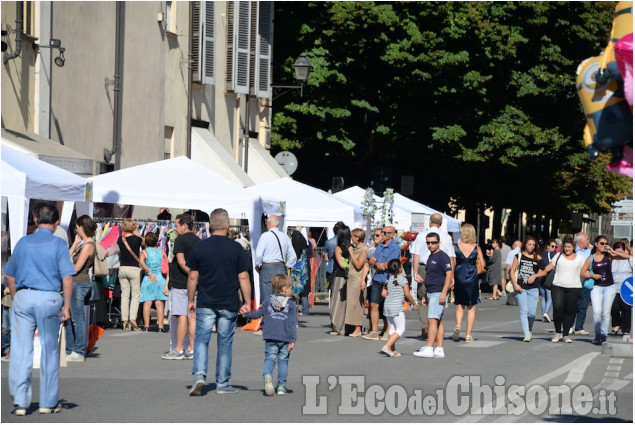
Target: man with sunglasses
583	248
386	251
420	253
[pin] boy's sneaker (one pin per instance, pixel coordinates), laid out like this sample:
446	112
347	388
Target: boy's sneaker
226	389
173	355
269	389
438	353
47	410
74	357
281	390
197	385
424	352
189	355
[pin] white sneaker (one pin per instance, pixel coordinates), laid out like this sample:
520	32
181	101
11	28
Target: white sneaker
556	338
438	352
424	352
74	357
527	337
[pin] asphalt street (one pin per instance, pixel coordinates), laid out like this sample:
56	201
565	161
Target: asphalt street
497	378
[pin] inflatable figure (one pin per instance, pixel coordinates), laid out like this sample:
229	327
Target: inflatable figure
604	85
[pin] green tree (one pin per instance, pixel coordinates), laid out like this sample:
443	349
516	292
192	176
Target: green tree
476	99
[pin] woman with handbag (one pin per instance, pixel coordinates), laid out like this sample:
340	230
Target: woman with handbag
598	268
340	273
526	268
357	272
565	289
129	273
154	286
494	264
469	258
82	253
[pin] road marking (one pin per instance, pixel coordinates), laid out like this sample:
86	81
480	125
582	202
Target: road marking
576	374
616	360
584	360
481	344
614	368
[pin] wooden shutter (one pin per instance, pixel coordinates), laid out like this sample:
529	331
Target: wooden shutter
242	30
196	42
209	42
263	49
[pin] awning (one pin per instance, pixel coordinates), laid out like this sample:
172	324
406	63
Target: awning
261	166
49	151
208	152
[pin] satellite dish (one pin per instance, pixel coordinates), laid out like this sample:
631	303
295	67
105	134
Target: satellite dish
287	161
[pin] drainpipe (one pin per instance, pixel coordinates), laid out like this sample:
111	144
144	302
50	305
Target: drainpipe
19	11
116	126
188	136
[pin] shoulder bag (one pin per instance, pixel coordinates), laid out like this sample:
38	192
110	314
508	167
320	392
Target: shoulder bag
135	256
590	282
479	265
548	282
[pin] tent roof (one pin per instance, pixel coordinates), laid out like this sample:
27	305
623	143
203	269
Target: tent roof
306	205
178	183
26	176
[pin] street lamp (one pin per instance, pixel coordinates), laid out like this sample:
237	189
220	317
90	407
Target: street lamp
302	70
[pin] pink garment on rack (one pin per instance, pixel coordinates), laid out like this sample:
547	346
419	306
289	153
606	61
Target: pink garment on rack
111	237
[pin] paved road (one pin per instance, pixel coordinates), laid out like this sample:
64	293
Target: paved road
126	380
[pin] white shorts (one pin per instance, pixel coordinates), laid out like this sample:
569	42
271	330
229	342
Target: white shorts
397	324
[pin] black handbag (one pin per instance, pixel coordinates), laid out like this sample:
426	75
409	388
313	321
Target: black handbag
548	282
94	296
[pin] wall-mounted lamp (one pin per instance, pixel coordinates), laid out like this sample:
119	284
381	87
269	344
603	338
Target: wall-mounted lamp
54	43
302	70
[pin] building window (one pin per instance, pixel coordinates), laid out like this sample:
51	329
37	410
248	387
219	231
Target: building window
168	147
204	42
170	17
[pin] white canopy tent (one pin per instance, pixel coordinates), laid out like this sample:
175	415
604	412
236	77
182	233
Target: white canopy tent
403	208
183	183
306	205
25	177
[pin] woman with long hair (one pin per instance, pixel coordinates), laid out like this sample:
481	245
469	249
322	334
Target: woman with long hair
340	272
83	255
622	270
357	271
525	270
494	264
598	268
466	289
129	273
566	288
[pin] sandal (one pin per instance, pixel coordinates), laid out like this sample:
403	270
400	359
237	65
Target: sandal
386	351
468	338
396	354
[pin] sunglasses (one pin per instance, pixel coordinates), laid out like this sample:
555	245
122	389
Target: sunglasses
432	243
378	235
552	246
603	243
386	233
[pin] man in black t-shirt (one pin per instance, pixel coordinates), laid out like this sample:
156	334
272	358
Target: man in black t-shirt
218	269
185	325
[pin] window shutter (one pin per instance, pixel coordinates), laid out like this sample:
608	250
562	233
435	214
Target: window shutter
242	30
263	48
209	42
196	41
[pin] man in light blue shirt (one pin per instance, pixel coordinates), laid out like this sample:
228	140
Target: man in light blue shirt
36	272
274	254
386	251
582	248
329	253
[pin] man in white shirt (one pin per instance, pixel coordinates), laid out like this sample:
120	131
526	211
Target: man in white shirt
420	253
509	260
274	254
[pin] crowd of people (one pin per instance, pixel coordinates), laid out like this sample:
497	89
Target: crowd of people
209	287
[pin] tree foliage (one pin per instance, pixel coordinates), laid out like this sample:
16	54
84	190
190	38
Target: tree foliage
477	100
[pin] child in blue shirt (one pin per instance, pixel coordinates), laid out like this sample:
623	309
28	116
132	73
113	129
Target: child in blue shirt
279	331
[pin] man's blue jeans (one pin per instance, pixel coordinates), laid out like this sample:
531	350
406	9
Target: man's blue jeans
6	328
225	321
267	271
35	309
527	303
76	331
277	351
545	299
581	308
305	304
